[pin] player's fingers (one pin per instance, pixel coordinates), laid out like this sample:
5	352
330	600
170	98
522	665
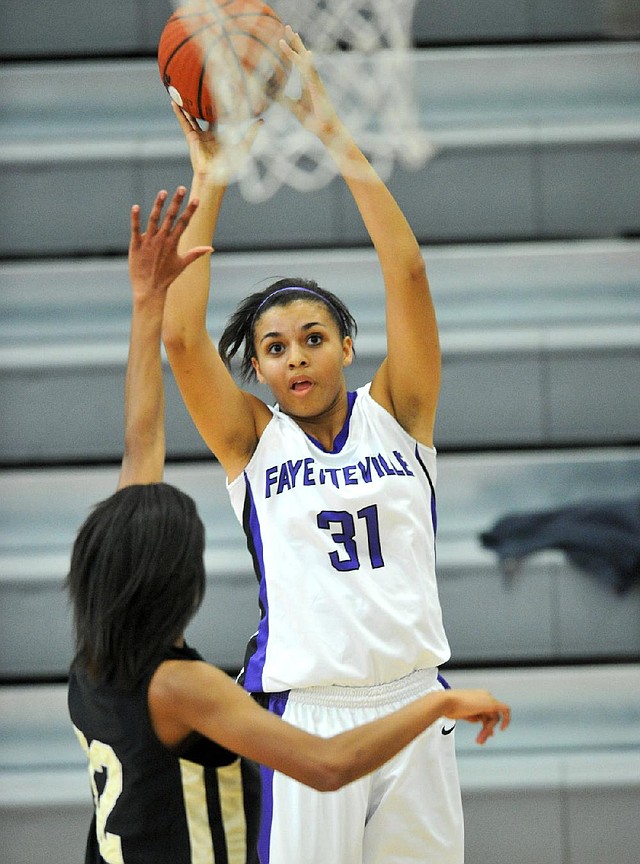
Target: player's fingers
251	133
135	222
154	215
288	51
173	208
288	33
181	116
294	50
488	725
187	122
501	716
177	230
195	253
293	38
208	132
204	129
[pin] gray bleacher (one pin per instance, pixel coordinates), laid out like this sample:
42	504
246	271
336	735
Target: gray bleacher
133	26
529	219
537	339
480	21
81	27
555	154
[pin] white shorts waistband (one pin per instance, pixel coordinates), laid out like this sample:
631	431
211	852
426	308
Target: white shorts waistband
403	689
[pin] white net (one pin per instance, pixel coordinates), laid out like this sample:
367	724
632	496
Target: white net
363	52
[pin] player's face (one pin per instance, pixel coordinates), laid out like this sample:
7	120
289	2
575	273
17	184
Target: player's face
301	356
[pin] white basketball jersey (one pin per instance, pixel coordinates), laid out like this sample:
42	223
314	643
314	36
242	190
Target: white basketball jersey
343	545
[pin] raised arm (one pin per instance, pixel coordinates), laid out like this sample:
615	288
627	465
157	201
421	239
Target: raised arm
205	383
408	381
154	263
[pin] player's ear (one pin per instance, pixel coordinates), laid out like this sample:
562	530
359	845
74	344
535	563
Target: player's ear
256	368
347	351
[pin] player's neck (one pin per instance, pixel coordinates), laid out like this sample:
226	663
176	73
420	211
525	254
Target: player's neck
326	427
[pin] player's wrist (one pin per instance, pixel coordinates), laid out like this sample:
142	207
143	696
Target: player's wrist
332	132
447	703
149	298
208	181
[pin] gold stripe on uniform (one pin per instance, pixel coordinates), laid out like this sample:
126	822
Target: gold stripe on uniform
195	802
232	807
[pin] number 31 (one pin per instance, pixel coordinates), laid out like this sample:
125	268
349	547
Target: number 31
346	533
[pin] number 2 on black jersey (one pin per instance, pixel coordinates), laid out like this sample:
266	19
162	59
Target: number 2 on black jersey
102	758
345	536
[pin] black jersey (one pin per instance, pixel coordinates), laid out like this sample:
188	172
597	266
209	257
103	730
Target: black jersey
156	805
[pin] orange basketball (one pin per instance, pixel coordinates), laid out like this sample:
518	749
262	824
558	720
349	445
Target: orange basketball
220	59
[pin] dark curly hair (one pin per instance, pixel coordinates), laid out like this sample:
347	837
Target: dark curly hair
239	332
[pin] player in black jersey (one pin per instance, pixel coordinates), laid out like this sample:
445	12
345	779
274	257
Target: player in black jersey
161	727
156	799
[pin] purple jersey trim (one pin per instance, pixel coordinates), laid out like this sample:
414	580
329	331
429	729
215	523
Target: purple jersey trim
277	705
255	664
434	516
343	434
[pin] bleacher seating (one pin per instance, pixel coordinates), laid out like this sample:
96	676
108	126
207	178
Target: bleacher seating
536	338
437	22
511	162
528	215
126	27
81	28
517	132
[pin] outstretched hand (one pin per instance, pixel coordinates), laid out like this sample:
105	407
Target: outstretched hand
216	155
154	261
313	108
479	706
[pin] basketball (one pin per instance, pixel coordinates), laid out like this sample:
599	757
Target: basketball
220	59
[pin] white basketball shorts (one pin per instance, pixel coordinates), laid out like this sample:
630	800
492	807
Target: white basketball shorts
409	810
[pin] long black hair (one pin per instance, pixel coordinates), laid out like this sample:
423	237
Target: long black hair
239	332
136	579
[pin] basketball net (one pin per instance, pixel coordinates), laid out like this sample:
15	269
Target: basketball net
362	50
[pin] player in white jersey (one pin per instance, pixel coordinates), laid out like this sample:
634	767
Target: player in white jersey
336	493
350	523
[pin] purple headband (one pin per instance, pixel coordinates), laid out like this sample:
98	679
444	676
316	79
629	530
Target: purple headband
325	300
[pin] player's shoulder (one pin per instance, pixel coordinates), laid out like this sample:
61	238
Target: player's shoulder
178	678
